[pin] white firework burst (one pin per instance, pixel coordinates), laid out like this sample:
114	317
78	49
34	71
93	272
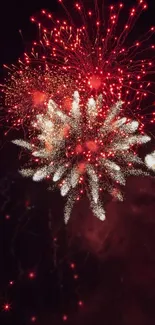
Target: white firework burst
86	150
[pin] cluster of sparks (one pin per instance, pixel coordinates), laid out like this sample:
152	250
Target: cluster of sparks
28	91
84	143
83	151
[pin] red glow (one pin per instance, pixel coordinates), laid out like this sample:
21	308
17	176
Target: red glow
92	146
65	131
67	103
78	149
38	98
80	303
6	307
95	82
7	217
27	203
72	266
64	318
82	167
32	275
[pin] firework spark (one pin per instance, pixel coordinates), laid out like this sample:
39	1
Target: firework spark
85	151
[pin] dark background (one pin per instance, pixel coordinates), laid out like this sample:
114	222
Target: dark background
94	273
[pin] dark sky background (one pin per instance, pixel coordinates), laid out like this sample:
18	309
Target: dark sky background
93	273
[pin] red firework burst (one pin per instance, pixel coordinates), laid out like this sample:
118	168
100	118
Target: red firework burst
90	54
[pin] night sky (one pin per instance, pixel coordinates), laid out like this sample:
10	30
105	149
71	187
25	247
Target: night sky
90	272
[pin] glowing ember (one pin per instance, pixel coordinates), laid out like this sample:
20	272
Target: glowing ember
6	307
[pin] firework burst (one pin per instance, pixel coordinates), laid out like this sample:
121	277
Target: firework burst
84	144
85	151
88	52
